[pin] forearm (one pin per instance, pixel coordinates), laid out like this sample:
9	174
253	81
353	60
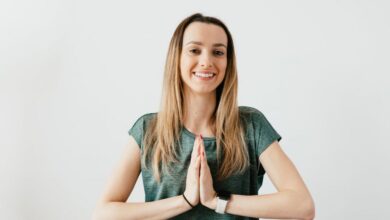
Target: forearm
284	205
160	209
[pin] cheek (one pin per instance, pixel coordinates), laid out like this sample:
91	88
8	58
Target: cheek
222	66
182	69
185	64
222	69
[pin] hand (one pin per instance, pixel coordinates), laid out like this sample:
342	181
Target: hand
192	182
207	193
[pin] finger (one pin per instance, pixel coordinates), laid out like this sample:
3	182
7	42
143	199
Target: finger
196	143
204	163
201	145
204	152
200	139
197	167
195	151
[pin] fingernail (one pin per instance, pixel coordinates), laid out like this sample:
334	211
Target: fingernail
201	136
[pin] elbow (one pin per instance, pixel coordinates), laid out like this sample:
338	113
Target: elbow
304	206
309	210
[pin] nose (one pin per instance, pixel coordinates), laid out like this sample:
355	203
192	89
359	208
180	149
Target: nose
205	61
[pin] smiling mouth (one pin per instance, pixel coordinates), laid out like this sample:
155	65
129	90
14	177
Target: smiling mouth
201	75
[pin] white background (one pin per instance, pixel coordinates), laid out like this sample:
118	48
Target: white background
75	75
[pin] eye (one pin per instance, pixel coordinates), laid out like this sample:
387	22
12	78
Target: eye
219	53
195	51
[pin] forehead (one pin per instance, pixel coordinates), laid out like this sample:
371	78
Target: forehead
207	34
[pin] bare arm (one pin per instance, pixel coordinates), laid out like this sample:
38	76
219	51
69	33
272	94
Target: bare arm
112	204
292	201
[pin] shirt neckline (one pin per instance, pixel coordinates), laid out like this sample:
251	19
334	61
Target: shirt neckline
186	131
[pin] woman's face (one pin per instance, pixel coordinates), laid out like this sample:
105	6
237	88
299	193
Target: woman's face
203	57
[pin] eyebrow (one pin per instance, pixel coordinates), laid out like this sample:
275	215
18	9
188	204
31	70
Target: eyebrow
214	45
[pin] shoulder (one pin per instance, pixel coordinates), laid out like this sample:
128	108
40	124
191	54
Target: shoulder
260	129
145	118
137	130
250	113
142	121
256	120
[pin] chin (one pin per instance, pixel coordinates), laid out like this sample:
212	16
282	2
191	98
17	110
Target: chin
203	91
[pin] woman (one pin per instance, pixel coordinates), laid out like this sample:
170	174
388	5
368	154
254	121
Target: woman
202	156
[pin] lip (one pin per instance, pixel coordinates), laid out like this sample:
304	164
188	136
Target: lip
214	74
204	71
204	78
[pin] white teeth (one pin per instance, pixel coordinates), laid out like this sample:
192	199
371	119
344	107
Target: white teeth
205	75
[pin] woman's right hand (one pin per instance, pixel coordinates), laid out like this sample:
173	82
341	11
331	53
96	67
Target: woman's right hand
192	182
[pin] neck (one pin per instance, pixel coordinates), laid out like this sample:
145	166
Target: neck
198	113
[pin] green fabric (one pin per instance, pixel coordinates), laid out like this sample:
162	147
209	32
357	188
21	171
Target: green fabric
259	135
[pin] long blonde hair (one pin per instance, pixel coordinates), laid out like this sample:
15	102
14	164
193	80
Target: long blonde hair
162	136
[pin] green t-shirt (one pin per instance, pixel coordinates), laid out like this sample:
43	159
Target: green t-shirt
259	135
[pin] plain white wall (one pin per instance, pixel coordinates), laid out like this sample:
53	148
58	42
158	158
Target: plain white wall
75	75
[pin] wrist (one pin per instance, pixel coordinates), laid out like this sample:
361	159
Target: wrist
223	198
212	204
183	203
187	202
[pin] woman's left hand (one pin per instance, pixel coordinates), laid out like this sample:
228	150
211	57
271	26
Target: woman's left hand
207	193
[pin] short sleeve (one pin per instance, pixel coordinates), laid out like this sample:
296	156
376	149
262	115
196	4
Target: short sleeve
265	134
137	130
139	127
